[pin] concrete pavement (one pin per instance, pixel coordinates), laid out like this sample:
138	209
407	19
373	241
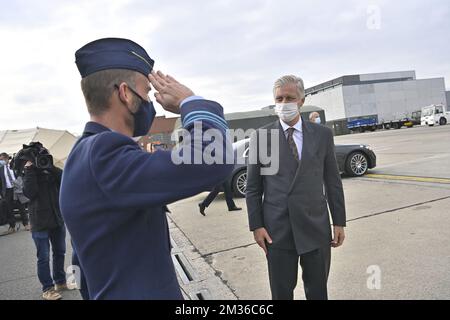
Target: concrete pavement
18	274
397	234
396	227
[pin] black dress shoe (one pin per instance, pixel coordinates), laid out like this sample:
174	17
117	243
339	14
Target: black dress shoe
234	209
202	208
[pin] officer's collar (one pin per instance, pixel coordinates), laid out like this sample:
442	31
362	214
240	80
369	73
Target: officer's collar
94	128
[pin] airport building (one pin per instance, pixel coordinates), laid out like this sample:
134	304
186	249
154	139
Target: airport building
390	96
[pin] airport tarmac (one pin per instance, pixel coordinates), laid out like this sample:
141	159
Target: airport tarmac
396	243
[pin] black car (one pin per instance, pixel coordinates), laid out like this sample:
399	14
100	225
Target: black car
353	161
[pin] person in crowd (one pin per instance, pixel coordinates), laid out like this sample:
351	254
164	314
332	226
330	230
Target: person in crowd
226	187
41	187
20	201
7	179
315	117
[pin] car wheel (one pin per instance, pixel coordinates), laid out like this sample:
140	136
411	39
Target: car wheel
442	121
240	184
356	164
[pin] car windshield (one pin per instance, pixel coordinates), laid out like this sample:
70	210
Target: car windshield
427	112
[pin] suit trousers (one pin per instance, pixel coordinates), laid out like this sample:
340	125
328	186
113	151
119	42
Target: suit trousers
283	271
228	195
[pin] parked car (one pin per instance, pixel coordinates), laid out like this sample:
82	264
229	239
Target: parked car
353	160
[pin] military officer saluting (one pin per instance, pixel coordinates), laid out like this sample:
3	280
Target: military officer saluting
113	194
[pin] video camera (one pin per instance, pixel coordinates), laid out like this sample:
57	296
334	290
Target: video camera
34	152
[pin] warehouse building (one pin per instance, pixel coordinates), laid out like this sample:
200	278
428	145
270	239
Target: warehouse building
389	96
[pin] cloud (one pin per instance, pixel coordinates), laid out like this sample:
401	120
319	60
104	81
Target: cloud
228	50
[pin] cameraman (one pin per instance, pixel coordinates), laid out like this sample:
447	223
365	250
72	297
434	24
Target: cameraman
42	186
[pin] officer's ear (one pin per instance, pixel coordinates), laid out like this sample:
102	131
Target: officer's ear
125	94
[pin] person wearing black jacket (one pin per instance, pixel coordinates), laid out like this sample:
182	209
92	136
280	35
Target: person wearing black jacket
47	226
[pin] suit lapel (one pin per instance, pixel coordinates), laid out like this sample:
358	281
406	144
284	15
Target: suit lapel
309	149
309	143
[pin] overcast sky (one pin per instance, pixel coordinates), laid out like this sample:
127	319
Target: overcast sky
226	50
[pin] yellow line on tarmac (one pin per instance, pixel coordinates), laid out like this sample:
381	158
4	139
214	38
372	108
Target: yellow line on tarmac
408	178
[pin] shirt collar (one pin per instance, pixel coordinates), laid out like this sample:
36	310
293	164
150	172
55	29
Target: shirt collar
297	126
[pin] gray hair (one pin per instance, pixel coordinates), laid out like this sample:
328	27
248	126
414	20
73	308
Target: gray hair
98	87
290	79
314	114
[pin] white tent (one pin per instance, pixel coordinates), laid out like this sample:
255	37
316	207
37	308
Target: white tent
58	142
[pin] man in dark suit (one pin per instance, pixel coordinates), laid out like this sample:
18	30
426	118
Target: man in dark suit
113	194
288	210
7	180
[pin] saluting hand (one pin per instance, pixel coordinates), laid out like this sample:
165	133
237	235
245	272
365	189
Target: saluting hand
170	93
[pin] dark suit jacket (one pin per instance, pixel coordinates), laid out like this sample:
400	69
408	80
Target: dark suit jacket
291	204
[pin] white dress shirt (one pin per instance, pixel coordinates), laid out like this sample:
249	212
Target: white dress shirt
9	184
298	135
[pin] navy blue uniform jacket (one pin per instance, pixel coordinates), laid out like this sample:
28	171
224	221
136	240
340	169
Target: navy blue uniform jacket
112	199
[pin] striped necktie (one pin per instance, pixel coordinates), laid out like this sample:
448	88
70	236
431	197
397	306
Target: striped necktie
291	142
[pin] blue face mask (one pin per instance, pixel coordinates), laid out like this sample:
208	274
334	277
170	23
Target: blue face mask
144	117
2	162
318	120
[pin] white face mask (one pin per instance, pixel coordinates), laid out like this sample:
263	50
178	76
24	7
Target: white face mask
286	111
317	120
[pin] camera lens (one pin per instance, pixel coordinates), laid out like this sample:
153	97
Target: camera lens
43	162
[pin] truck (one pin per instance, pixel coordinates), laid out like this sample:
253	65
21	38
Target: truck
396	123
416	117
371	123
435	114
364	123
